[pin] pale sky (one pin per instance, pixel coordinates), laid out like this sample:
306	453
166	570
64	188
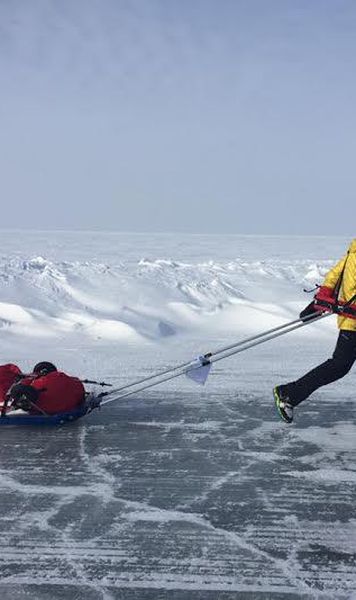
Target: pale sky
233	116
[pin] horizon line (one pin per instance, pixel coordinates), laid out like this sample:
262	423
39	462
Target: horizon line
192	233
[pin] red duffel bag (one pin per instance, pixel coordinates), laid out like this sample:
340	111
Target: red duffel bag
9	374
57	393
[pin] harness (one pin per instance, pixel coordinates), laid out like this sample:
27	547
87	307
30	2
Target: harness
335	305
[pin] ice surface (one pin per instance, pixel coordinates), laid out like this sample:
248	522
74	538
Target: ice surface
181	492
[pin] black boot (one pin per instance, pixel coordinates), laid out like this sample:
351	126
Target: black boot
283	403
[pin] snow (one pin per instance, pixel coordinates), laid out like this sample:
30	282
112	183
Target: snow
147	298
195	492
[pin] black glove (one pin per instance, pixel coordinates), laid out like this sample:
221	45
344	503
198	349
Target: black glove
308	311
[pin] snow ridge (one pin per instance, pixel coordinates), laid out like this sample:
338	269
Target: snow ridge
148	298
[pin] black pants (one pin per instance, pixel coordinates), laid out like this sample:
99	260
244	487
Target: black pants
336	367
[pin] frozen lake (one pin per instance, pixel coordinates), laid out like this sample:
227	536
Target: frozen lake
182	492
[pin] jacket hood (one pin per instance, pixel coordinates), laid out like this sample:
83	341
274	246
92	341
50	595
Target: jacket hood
352	247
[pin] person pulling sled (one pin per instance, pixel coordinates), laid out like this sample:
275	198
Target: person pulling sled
337	294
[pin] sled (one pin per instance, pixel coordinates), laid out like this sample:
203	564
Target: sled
19	417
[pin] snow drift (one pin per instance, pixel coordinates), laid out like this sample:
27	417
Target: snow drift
150	298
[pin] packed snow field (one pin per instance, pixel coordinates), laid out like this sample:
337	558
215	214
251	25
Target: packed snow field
180	492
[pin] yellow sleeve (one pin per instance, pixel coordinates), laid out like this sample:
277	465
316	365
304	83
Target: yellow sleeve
333	275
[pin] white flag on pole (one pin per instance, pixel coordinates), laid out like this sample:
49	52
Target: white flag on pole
200	373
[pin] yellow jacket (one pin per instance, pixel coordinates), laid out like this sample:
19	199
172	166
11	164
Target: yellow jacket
347	267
